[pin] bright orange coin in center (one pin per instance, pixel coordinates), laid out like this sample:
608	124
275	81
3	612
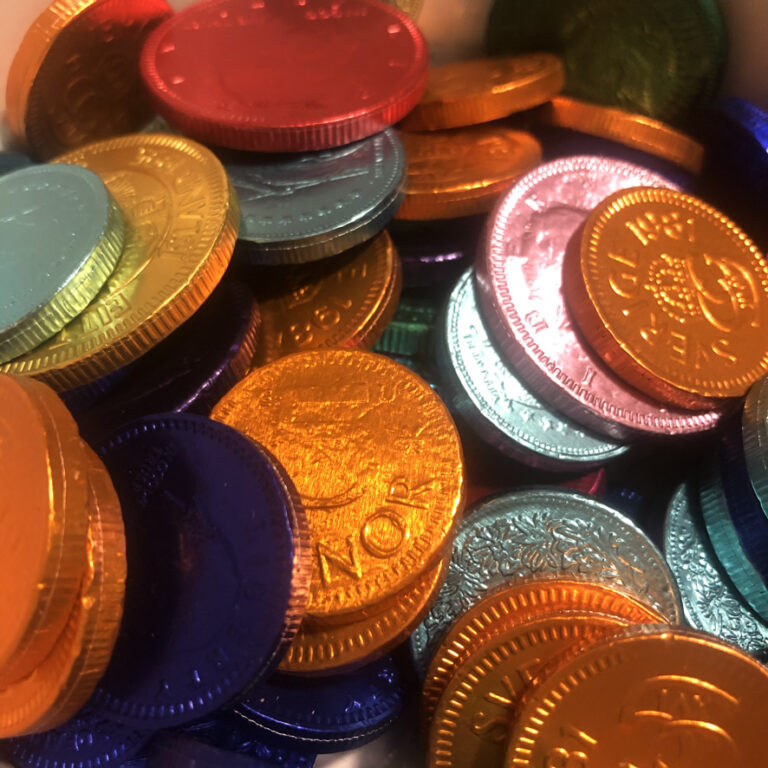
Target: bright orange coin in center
375	457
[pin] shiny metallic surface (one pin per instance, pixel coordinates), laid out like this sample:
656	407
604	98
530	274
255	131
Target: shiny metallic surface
489	394
709	600
544	532
61	235
521	276
310	206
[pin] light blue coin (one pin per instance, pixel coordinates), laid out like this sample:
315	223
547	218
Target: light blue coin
710	602
544	532
61	235
300	208
498	406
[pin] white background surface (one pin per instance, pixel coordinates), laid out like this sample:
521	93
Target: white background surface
455	28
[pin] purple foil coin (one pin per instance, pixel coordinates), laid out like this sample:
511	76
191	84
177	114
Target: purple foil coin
520	280
434	252
190	370
212	595
86	741
329	714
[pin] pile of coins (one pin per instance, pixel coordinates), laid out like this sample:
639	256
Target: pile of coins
388	373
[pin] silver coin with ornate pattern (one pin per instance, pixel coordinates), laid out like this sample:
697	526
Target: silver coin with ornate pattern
547	532
710	602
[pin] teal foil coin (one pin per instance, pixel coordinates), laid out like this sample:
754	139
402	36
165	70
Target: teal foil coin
659	58
486	391
754	428
411	329
61	234
544	532
301	208
13	161
710	601
725	539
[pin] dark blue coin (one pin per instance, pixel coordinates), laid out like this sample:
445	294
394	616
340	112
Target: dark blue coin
327	714
12	161
81	399
735	178
433	252
188	750
210	569
190	370
87	741
744	507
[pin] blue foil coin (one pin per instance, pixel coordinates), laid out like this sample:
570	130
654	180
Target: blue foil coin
300	208
212	596
328	714
190	370
179	750
86	741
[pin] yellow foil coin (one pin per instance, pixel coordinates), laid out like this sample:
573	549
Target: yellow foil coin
344	301
181	219
672	295
375	458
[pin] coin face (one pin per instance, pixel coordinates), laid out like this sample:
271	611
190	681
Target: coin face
62	235
181	219
345	425
506	610
521	293
462	172
648	698
524	534
499	406
673	295
312	97
344	301
73	80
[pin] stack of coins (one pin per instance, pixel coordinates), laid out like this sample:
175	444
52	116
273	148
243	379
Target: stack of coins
565	327
63	568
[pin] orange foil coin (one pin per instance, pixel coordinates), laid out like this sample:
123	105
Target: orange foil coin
514	605
44	525
646	698
319	649
480	90
345	301
55	690
75	77
672	295
637	131
475	713
463	171
375	458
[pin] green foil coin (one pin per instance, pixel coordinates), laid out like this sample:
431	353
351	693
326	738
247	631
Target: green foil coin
710	601
659	57
61	235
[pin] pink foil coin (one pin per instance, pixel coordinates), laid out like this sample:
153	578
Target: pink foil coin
520	277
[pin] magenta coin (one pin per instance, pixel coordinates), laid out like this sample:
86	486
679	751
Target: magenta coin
520	275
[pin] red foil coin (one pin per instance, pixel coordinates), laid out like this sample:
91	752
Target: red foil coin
285	75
